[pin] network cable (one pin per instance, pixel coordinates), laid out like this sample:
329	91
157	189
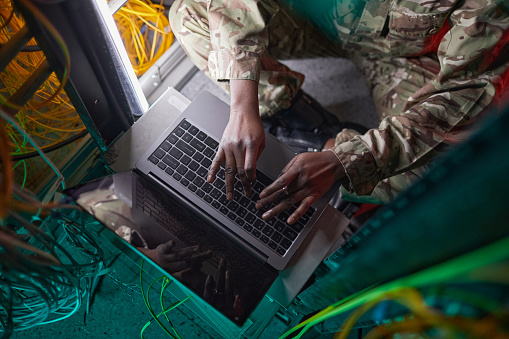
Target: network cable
145	31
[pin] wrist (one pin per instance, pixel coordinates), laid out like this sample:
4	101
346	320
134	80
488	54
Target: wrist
243	95
339	169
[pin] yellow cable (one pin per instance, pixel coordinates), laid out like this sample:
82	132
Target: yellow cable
145	31
56	119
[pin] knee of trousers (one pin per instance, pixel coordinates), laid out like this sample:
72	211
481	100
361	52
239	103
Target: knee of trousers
183	11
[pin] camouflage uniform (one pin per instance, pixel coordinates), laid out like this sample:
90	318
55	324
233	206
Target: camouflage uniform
433	68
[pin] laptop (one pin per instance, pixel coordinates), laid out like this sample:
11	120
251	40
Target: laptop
166	201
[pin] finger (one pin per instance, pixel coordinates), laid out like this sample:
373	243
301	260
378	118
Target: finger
303	207
200	257
252	155
282	181
228	283
244	180
216	165
208	291
274	198
186	252
219	289
242	173
167	247
228	288
176	266
288	202
229	173
283	205
237	307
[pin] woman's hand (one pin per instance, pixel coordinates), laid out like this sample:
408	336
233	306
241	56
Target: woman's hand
173	260
305	179
243	139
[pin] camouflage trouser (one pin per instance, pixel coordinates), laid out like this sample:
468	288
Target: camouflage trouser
390	80
289	38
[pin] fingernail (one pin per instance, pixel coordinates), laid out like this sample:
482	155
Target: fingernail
209	178
229	196
291	219
262	194
267	214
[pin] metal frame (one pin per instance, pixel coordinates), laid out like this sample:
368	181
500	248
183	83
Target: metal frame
100	84
172	69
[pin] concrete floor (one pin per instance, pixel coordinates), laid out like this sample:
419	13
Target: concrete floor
333	82
118	310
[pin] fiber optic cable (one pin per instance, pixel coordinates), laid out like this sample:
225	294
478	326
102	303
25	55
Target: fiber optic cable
7	118
60	41
51	123
434	275
149	307
165	311
145	31
50	148
166	283
42	292
41	280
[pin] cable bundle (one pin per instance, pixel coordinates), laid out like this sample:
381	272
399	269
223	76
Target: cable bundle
49	117
45	271
56	119
46	268
145	31
485	265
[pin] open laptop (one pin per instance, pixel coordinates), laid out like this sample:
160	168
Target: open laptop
179	161
166	198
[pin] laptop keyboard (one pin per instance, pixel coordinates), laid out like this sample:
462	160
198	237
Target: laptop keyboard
186	155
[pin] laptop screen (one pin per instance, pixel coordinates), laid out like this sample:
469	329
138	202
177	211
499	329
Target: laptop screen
165	229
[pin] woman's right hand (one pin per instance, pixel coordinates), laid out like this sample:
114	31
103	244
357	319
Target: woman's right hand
243	139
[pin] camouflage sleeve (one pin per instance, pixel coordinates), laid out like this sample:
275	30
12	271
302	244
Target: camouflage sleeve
474	61
238	34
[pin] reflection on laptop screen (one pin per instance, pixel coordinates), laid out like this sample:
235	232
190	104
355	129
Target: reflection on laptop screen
162	228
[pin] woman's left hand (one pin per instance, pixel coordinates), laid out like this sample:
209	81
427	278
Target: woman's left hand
304	179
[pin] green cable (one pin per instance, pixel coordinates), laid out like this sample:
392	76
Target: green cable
25	175
7	118
167	310
167	283
147	304
24	163
439	273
